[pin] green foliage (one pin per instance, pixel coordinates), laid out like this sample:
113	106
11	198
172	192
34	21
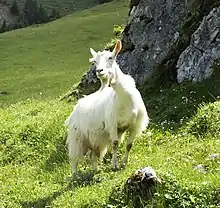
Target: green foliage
117	32
104	1
30	12
54	14
206	121
34	14
43	16
173	194
33	140
170	193
172	105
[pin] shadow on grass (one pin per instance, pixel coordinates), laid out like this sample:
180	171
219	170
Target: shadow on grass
45	201
83	179
170	106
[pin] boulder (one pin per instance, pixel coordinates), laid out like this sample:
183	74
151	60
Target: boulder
141	185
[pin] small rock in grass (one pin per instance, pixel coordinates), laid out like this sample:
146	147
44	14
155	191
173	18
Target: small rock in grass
141	184
201	168
214	156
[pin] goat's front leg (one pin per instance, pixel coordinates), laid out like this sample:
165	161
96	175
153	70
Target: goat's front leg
94	159
128	148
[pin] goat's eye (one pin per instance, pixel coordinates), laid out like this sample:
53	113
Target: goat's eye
93	62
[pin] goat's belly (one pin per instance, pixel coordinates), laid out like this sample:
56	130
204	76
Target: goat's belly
123	127
125	123
97	139
127	118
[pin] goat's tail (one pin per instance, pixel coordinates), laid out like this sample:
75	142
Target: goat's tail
143	123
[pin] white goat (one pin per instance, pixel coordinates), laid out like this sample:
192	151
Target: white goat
101	118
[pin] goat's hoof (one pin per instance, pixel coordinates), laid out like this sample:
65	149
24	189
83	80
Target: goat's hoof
95	168
115	167
123	165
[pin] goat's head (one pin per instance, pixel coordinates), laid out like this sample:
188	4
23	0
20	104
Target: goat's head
104	62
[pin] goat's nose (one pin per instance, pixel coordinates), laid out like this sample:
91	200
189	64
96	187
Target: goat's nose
99	70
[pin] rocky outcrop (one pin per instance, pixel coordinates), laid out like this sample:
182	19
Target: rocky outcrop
157	33
5	14
196	62
157	39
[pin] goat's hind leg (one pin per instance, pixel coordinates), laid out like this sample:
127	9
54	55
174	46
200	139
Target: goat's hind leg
114	143
114	155
74	163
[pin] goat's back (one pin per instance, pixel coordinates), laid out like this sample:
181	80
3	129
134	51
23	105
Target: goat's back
89	112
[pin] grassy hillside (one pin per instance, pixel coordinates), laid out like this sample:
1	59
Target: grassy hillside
44	61
35	171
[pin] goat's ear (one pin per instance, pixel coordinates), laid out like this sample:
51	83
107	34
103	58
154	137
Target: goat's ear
117	48
92	52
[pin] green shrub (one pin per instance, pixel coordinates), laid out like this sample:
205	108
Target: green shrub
206	121
117	32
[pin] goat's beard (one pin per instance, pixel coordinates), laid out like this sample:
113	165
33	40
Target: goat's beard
107	80
111	79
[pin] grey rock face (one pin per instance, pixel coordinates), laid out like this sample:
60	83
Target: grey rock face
157	39
196	62
153	28
5	14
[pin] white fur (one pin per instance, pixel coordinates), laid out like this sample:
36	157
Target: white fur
101	118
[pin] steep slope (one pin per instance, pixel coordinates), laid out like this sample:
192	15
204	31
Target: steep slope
35	172
44	61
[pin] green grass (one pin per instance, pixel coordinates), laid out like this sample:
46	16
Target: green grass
44	61
35	171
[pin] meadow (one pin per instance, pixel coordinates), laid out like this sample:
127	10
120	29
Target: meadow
39	64
46	60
